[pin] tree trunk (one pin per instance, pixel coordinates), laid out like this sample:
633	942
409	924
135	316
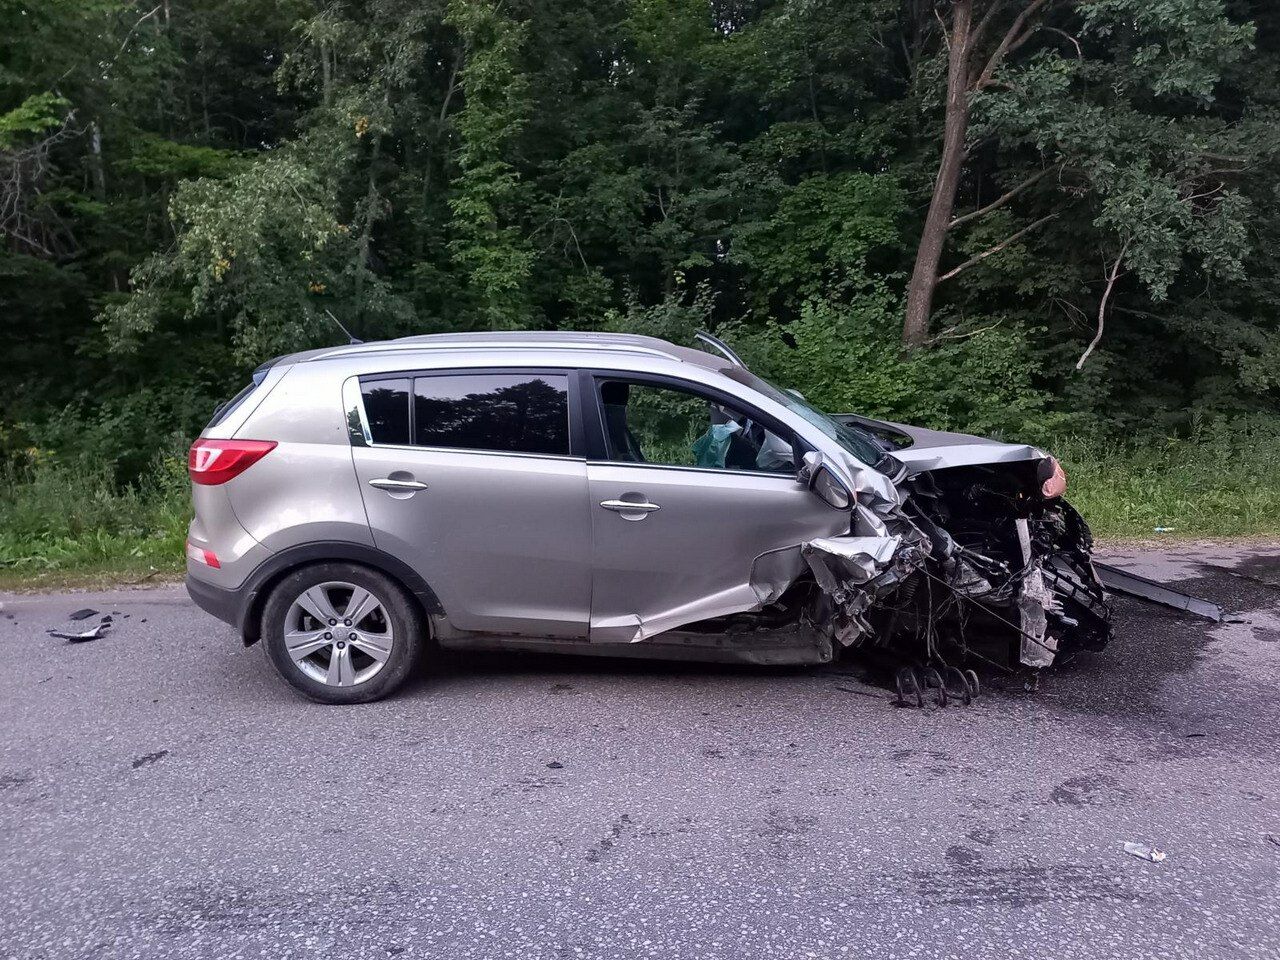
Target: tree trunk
326	75
924	279
96	168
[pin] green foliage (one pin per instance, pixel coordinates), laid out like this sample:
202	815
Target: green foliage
259	251
822	234
199	184
1223	479
489	250
846	358
37	113
55	518
155	157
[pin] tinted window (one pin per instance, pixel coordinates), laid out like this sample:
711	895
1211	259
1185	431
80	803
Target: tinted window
673	427
225	409
386	405
512	413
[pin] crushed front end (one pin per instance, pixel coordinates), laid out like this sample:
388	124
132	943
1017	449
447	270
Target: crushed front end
986	562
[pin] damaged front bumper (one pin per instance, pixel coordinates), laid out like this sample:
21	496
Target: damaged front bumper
976	564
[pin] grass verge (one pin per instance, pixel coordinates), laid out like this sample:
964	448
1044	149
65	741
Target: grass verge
1219	485
61	528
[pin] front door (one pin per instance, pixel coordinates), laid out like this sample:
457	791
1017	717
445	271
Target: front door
470	479
692	492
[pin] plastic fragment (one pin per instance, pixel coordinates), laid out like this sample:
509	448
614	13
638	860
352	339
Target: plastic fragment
1144	852
84	614
95	633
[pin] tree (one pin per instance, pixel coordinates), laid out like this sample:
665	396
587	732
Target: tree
1093	103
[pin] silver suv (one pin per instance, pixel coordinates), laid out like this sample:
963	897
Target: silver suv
617	495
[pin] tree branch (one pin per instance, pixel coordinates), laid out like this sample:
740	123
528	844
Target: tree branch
1074	42
1112	277
1014	37
986	21
974	261
997	204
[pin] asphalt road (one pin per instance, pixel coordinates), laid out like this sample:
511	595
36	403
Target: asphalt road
163	794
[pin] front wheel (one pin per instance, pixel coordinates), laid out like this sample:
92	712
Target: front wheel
342	633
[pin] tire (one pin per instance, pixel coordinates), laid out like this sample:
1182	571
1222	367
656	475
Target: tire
380	648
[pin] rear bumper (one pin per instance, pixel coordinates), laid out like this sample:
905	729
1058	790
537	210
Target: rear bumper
224	604
241	606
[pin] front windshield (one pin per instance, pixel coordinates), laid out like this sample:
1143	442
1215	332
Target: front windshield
859	441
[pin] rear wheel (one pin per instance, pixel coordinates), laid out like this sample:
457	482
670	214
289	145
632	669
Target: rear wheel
342	633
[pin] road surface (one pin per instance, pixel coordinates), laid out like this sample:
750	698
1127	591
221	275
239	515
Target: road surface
163	794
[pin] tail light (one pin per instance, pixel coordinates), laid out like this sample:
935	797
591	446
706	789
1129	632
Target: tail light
201	555
216	461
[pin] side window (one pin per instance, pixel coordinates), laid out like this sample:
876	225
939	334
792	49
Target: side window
386	405
646	423
510	413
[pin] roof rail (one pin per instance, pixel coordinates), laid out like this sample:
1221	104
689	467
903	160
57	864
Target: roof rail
394	346
715	343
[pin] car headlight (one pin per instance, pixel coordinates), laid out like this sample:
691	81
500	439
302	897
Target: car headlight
1053	479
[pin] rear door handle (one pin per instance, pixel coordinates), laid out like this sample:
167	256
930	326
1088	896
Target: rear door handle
397	486
629	506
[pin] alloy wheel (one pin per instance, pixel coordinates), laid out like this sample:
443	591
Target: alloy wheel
338	634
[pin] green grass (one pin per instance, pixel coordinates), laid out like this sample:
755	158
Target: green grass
1215	485
60	527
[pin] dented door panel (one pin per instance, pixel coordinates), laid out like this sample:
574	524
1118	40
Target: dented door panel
719	542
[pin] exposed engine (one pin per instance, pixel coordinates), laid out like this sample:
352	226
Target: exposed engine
989	569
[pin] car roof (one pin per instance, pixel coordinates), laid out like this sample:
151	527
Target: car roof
502	343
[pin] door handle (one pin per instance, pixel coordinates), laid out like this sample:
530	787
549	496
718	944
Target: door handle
397	486
629	506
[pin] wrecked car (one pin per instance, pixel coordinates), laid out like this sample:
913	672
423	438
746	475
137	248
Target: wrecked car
357	507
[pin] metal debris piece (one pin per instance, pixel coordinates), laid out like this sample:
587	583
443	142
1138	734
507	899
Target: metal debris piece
1144	852
94	633
1122	581
84	614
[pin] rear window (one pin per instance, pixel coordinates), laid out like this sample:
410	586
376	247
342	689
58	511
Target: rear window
386	405
510	413
225	410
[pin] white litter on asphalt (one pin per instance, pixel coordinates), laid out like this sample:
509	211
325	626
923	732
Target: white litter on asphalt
1144	852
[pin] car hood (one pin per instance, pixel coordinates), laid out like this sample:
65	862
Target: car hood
938	449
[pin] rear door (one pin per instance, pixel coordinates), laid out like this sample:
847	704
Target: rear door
477	479
688	487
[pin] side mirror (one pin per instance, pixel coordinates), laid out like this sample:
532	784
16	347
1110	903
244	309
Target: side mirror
817	475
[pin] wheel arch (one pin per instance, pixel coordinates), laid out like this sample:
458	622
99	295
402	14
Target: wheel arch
257	588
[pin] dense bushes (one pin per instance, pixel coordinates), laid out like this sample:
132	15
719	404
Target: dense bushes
57	518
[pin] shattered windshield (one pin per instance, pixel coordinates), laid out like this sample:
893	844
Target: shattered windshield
859	441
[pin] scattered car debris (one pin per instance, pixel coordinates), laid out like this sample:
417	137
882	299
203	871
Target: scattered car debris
147	759
94	633
1145	852
1130	584
84	614
1273	839
948	685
